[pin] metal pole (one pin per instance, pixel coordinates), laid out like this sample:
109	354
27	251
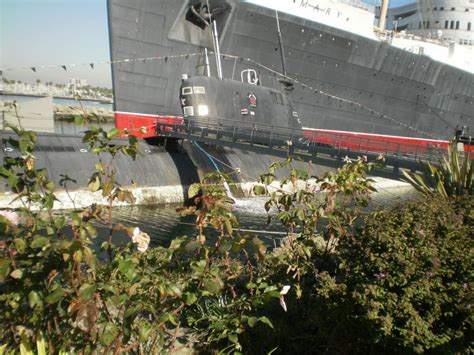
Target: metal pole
208	67
218	51
383	14
280	39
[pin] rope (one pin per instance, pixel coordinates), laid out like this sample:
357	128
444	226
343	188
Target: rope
296	81
216	168
258	64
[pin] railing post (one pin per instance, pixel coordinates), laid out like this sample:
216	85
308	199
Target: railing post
314	151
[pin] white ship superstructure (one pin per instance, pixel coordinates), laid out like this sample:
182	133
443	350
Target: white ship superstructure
444	20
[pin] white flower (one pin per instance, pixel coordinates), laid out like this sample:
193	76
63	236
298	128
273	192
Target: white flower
285	290
141	239
283	304
347	159
13	217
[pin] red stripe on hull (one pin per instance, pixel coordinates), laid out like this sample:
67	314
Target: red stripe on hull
376	143
143	125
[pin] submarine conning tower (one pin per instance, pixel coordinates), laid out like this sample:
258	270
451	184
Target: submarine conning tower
204	97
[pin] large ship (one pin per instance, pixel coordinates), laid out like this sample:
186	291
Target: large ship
339	72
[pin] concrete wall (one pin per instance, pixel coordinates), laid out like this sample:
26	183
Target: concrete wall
35	115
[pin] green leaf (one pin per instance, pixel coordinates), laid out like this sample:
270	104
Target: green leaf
78	120
228	226
144	332
39	242
40	344
234	338
59	222
114	132
109	334
300	213
25	347
34	299
194	190
56	296
259	190
17	274
94	183
5	268
252	321
20	245
127	268
190	298
87	291
266	321
214	285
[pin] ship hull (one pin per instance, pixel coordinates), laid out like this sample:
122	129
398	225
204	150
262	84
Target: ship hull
342	81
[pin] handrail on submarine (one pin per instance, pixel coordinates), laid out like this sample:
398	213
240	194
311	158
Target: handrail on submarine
272	139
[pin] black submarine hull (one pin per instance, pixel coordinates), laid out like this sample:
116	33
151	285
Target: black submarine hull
342	81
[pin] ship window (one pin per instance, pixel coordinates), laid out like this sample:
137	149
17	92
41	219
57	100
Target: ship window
468	26
467	10
451	25
457	25
188	111
453	9
199	89
419	25
203	110
441	9
446	23
435	9
427	24
187	90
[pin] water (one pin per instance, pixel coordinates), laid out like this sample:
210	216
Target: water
163	223
58	101
67	127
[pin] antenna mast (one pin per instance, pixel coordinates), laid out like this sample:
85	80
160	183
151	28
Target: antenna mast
280	39
383	14
215	40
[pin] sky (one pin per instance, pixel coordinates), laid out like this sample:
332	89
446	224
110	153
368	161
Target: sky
59	32
49	32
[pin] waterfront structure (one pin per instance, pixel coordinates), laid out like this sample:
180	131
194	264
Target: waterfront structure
344	76
444	20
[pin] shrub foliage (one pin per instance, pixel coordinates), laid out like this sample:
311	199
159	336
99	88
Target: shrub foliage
343	280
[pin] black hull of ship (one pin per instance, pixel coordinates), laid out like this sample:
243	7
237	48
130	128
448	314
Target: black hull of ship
343	81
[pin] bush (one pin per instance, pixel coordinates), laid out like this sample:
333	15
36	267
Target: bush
400	283
395	280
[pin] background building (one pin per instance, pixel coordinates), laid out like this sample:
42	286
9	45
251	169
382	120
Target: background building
446	20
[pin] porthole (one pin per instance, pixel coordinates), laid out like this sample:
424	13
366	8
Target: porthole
187	90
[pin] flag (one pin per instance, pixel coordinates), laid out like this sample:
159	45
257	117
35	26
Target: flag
33	68
92	65
64	67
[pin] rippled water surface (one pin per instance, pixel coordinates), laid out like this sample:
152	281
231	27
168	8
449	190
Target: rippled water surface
163	223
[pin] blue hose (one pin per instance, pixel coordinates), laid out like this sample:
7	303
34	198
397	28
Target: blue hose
211	159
